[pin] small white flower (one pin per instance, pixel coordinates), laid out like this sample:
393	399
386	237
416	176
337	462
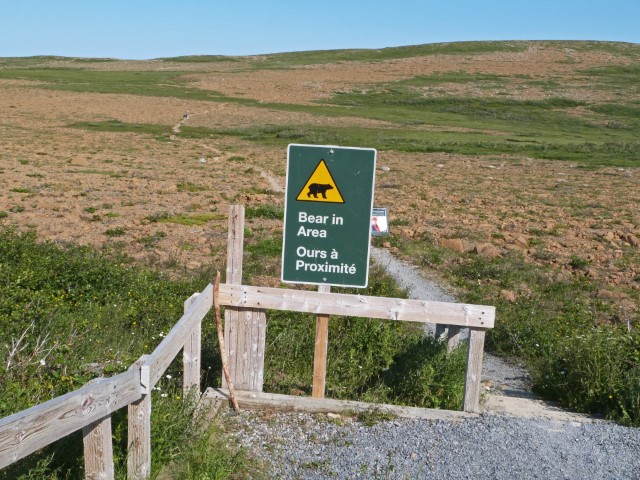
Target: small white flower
168	376
163	395
42	362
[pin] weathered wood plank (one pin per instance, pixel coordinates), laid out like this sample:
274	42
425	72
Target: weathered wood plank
139	427
460	314
98	450
139	439
258	326
164	353
474	370
245	329
191	355
454	337
277	402
235	243
235	251
32	429
320	352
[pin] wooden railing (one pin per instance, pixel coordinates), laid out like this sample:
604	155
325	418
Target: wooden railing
245	320
90	407
478	318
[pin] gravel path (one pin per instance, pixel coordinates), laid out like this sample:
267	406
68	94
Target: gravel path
517	437
301	446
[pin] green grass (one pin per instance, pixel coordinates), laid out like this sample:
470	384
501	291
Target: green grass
78	315
540	129
623	78
81	315
115	232
200	59
587	150
578	350
116	126
587	144
147	83
275	212
22	190
191	187
289	59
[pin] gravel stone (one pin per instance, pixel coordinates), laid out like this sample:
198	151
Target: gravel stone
303	446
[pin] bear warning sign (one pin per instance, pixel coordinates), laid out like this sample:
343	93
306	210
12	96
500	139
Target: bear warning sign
327	224
321	187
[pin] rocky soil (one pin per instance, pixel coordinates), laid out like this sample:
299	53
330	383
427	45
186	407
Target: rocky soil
71	185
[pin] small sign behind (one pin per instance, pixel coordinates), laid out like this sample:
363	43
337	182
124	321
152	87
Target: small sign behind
327	224
379	222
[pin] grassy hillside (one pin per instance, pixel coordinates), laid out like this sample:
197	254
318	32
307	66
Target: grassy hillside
526	150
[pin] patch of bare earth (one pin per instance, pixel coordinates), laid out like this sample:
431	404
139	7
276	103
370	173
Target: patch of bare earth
72	185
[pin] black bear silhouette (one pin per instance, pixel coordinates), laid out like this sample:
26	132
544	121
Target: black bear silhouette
319	188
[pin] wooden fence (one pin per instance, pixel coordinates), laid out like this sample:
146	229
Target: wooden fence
90	407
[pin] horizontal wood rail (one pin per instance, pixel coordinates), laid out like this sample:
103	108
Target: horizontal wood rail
459	314
290	403
29	430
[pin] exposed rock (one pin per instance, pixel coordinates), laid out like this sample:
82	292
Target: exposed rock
486	250
454	244
521	242
631	239
508	295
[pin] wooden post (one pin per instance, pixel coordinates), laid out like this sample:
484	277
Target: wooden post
244	328
440	331
139	428
98	450
320	355
474	370
454	333
191	356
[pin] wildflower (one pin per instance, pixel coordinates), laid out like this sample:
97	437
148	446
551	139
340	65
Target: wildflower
168	376
163	395
42	362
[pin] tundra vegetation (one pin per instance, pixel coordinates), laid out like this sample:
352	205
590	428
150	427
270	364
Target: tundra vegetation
512	175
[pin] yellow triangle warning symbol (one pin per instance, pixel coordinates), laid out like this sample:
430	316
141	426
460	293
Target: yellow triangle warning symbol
320	187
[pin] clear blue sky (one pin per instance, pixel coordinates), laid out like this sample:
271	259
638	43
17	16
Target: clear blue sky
142	29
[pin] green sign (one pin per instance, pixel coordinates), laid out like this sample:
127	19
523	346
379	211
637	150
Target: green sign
327	221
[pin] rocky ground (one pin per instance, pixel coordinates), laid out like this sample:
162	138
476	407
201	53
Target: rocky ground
72	185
